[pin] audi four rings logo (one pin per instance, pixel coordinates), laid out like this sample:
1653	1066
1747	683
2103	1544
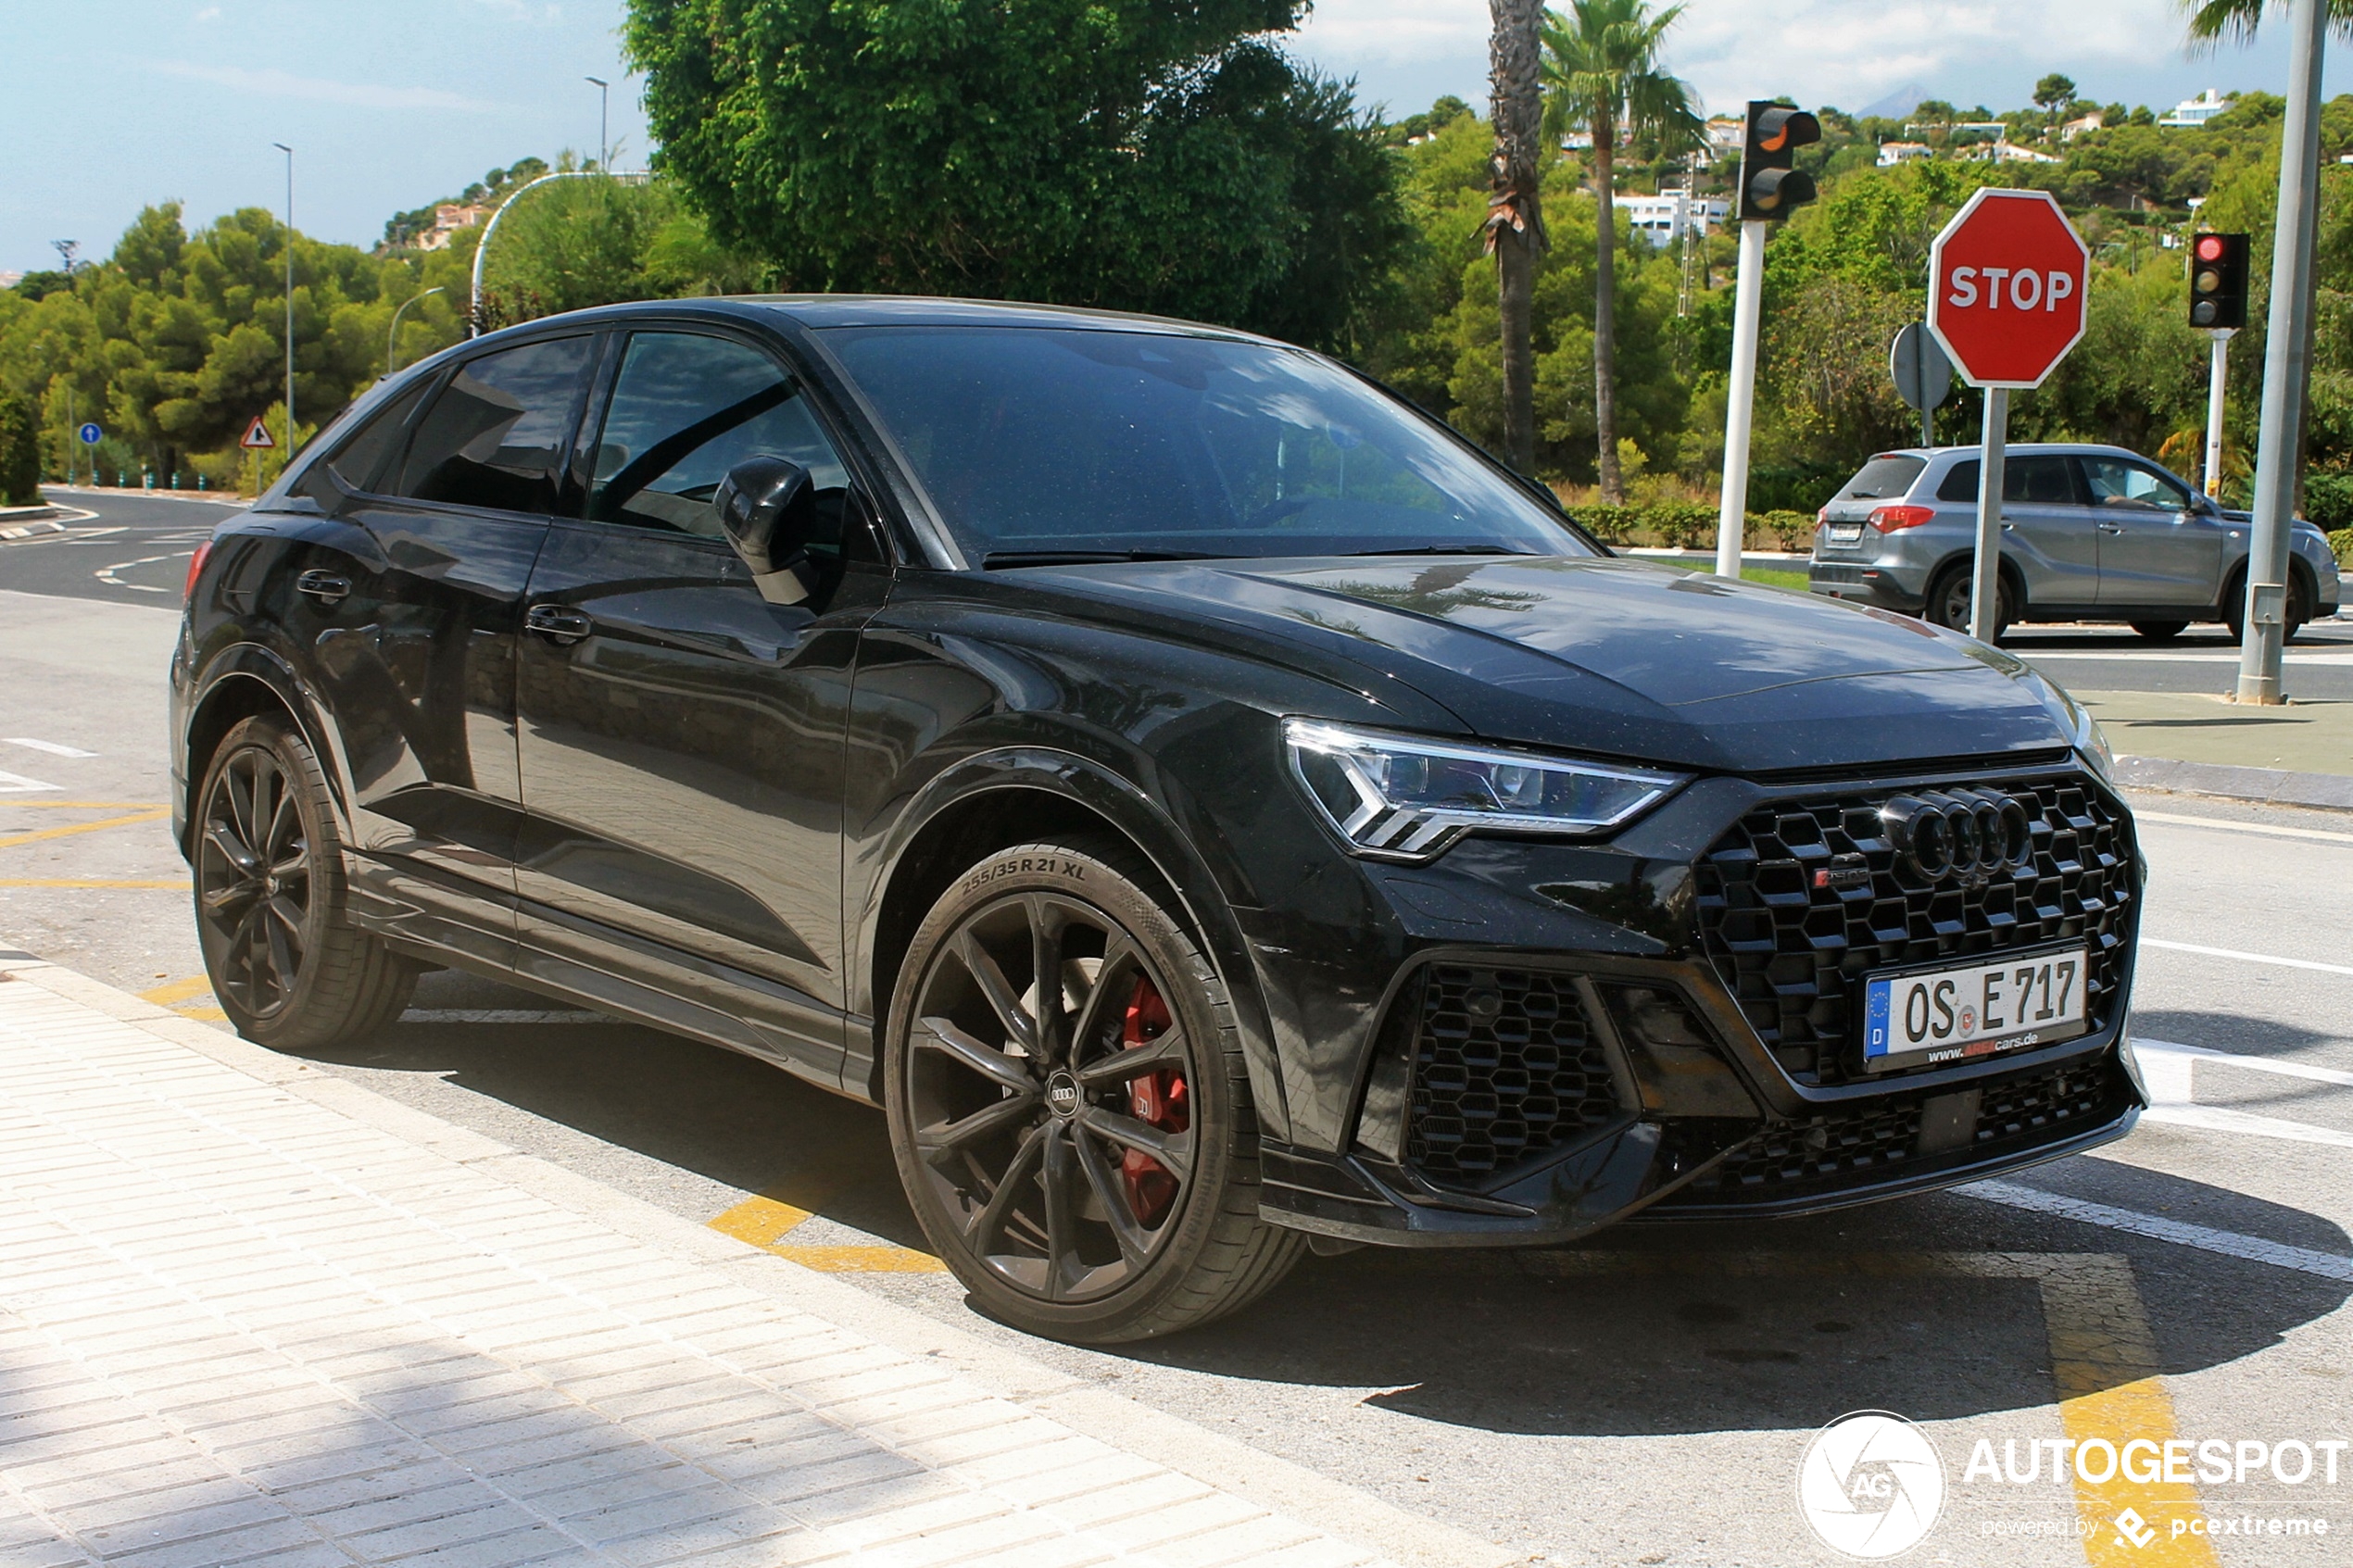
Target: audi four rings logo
1969	835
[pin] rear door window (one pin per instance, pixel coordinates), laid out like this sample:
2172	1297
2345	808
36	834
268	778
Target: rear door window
1883	478
2033	481
358	460
497	434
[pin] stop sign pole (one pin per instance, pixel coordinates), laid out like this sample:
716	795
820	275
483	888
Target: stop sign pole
2006	287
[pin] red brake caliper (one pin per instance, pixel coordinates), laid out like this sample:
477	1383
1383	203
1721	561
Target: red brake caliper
1158	1100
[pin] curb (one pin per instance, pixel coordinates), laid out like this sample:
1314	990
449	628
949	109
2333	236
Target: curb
1211	1457
2269	786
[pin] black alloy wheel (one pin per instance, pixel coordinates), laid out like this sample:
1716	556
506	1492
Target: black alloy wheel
1066	1102
284	966
1950	596
2299	608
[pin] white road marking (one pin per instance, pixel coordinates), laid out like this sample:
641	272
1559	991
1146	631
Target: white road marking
2275	830
107	574
52	747
2249	958
2229	1244
2166	1067
504	1015
16	783
2338	654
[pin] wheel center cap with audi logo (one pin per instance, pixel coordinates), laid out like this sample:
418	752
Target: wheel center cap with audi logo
1969	837
1062	1094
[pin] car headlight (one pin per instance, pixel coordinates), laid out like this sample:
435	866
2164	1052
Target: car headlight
1406	798
2092	741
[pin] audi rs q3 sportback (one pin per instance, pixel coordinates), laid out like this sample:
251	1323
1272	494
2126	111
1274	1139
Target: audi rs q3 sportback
1210	807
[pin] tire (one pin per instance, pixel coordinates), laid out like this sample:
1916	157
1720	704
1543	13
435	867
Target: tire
1948	600
288	969
2160	631
2299	608
1075	1196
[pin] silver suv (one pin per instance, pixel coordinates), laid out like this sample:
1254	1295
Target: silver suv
2088	534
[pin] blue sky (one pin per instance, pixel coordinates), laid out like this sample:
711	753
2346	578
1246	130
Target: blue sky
113	104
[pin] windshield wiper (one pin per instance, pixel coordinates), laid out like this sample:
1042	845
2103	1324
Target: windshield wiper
996	559
1446	550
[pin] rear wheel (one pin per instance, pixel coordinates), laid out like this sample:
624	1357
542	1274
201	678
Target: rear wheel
1950	596
2160	631
1068	1105
286	965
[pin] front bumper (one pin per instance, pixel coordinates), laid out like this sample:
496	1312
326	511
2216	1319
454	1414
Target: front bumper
1615	1041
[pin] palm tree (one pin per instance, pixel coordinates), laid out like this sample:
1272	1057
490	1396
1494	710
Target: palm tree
1601	65
1515	227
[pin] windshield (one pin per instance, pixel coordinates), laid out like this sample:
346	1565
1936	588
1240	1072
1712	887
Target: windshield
1039	443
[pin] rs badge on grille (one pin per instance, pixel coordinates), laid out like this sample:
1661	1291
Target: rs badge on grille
1845	873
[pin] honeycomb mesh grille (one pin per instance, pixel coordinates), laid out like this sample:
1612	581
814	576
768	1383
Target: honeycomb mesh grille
1506	1065
1874	1142
1793	954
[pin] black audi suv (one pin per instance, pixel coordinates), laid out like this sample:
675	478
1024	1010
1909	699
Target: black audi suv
1213	808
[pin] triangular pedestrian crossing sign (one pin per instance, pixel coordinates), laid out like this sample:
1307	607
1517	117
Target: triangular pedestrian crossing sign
258	435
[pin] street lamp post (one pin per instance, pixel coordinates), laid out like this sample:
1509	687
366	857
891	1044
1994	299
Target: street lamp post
482	247
604	143
392	338
290	329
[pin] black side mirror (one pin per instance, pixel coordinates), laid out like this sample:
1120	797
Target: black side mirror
769	507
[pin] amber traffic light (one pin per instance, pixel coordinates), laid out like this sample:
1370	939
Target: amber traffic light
1770	185
2218	281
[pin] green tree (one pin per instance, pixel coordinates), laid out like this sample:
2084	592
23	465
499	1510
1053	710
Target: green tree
1118	153
2054	92
1515	227
1601	67
19	452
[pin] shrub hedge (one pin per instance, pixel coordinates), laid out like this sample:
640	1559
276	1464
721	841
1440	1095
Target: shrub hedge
2341	541
19	453
2328	500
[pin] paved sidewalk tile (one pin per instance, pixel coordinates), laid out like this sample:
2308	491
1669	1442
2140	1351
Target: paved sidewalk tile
238	1324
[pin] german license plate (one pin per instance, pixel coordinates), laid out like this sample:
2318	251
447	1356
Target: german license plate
1964	1010
1847	532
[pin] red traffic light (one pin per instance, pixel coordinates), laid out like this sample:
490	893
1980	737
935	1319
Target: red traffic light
2209	247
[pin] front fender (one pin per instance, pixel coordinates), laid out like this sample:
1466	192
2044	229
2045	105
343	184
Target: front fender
1100	789
223	690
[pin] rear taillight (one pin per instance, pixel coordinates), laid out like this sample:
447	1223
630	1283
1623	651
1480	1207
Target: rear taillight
1888	520
195	564
1823	516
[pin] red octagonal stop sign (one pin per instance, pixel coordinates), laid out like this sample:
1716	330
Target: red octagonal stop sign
2005	285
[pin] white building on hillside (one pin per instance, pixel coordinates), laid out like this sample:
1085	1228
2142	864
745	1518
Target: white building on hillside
2010	152
2191	114
1660	217
1893	153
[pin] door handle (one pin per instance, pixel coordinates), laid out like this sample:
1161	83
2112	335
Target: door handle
324	587
559	623
2110	528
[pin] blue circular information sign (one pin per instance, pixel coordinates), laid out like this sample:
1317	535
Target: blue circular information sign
89	435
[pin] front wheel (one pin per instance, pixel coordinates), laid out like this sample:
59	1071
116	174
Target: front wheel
2299	609
1953	593
1068	1106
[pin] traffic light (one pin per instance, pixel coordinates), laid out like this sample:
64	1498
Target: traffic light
2218	281
1770	187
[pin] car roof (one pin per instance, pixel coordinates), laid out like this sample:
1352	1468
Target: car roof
819	311
2018	450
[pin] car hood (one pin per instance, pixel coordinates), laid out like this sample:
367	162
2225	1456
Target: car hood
1622	659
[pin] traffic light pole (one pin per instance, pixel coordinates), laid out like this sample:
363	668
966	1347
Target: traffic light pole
1985	585
1739	407
2214	379
2286	362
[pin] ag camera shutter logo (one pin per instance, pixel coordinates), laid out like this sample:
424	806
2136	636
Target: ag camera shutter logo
1870	1485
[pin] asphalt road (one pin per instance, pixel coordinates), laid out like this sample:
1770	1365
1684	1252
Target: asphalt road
1642	1399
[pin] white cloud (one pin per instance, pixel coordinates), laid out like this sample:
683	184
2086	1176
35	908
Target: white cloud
348	94
209	14
1842	52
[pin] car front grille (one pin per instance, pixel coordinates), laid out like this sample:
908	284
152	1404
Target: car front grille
1506	1066
1794	954
1879	1140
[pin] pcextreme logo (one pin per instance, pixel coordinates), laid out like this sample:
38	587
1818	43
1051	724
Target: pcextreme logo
1870	1485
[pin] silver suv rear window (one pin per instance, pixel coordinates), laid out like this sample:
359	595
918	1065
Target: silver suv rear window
1883	479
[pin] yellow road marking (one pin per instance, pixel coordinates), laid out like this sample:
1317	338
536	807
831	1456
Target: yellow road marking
83	806
765	1222
203	1015
179	991
2102	1358
146	816
73	881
